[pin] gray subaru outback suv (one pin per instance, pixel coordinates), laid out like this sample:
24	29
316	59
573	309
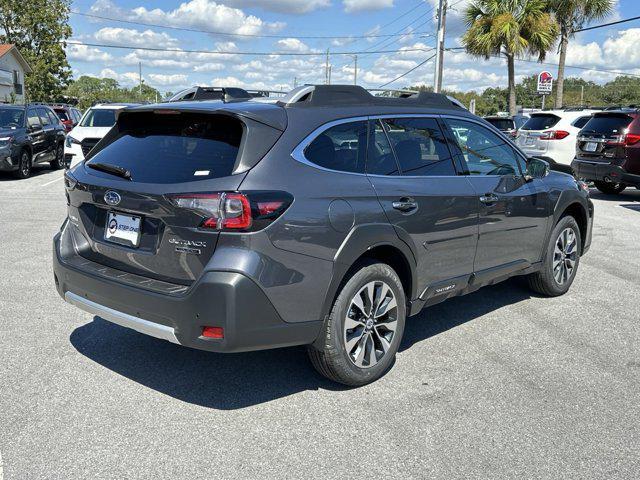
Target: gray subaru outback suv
325	219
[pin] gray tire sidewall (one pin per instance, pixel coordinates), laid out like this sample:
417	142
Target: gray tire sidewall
565	222
377	271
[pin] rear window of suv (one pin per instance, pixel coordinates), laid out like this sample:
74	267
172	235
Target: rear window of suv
608	124
501	123
99	118
174	148
541	121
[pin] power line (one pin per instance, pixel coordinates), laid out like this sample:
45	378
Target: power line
617	72
607	24
249	35
408	71
231	52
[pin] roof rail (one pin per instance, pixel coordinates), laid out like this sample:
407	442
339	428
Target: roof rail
342	95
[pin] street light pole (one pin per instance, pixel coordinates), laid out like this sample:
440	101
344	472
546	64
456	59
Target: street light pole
442	19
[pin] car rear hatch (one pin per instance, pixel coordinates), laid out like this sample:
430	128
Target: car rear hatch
142	200
604	137
532	136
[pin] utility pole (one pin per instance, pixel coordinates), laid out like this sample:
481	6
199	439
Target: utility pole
442	20
355	71
582	95
329	75
140	74
295	82
326	69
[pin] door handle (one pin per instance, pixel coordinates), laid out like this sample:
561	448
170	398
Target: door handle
405	204
489	199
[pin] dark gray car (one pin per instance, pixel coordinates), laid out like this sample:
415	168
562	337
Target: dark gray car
323	220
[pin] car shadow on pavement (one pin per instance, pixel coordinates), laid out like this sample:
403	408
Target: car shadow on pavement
629	195
239	380
458	310
36	171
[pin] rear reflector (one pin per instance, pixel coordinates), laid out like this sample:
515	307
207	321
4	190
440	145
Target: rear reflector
213	332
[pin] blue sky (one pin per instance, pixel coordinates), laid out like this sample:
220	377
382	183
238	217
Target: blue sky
281	25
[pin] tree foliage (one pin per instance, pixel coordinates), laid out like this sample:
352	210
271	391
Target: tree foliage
622	91
39	28
88	91
572	15
511	28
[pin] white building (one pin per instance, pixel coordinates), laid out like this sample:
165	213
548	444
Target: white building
13	66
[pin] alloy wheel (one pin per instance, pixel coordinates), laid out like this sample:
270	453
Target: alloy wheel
25	167
370	324
565	255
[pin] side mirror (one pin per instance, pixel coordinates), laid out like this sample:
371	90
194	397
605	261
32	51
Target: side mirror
536	168
35	128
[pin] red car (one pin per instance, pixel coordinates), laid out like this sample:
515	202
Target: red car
70	116
608	150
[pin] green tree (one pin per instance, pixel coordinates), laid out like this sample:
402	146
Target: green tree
511	28
39	29
87	91
571	15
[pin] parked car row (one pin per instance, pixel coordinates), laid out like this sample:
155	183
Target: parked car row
30	135
57	134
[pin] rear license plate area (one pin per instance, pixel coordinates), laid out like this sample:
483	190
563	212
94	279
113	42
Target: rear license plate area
590	147
123	229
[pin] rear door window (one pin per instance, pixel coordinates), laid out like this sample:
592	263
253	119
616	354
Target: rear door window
62	114
33	119
55	120
420	147
607	125
380	157
174	148
541	121
44	117
342	148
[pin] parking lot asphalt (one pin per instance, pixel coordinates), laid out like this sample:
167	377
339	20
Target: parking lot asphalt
497	384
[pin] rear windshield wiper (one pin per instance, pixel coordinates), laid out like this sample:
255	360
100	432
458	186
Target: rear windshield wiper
112	169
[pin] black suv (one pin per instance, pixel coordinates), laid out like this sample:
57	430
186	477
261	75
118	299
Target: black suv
29	135
324	219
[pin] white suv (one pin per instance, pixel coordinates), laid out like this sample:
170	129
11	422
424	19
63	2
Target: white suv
91	128
553	134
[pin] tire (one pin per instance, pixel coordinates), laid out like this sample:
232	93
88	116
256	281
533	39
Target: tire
556	276
344	352
24	166
58	163
610	188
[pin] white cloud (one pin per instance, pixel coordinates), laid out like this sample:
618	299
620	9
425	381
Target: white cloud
292	45
353	6
623	50
282	6
128	78
82	53
166	80
197	14
126	36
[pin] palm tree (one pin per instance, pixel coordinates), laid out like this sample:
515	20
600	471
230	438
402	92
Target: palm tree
572	15
511	28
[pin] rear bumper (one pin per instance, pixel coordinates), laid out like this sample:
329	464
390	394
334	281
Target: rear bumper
603	172
222	299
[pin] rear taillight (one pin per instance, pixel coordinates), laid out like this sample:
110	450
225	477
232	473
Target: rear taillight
554	135
624	139
235	211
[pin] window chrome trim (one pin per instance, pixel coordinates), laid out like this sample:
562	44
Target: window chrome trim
298	152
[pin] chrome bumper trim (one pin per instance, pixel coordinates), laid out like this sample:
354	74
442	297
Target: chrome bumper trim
122	319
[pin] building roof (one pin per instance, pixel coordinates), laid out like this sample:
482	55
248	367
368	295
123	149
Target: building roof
8	47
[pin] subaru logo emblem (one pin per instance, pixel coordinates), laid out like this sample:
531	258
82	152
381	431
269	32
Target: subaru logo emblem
112	198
